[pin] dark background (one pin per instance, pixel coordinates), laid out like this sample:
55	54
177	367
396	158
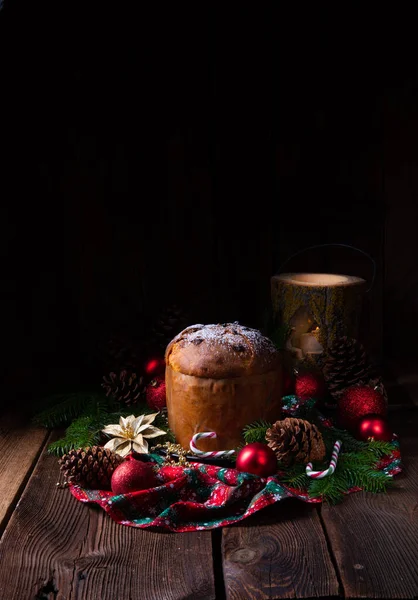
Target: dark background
177	155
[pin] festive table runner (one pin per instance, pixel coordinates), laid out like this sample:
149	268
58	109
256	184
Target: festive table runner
202	496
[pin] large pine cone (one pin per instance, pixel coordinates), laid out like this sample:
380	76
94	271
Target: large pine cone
347	364
127	387
295	441
91	467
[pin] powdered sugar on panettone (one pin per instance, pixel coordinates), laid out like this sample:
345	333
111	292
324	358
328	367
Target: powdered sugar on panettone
233	337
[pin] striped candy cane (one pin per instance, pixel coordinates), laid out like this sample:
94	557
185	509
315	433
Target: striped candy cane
332	464
207	434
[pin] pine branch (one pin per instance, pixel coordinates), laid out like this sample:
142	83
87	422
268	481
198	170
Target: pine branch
380	448
368	479
349	443
296	477
60	447
331	489
353	470
67	408
354	460
256	432
84	431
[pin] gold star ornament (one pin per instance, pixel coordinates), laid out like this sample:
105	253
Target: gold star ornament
130	434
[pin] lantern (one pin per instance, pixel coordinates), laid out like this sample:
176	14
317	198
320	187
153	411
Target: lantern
316	308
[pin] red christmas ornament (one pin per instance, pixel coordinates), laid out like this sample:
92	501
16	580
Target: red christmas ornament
133	475
154	367
288	383
309	385
155	393
257	458
357	402
374	426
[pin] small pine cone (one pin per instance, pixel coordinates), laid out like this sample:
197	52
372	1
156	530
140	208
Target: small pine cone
126	386
91	467
347	364
295	441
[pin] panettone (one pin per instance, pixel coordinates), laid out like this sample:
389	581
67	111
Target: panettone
221	378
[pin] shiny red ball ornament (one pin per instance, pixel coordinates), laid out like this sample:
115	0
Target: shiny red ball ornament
258	459
309	385
133	475
357	402
155	393
288	383
374	426
154	366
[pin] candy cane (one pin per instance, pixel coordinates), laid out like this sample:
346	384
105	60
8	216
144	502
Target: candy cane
207	434
332	464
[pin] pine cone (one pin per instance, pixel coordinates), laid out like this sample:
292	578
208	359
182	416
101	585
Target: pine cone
91	467
295	441
347	364
126	386
120	351
168	324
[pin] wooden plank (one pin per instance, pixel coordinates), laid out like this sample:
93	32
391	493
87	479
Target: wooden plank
20	446
374	537
279	553
58	546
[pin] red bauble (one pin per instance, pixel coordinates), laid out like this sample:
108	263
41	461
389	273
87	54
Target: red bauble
374	426
155	393
258	459
133	475
357	402
309	385
288	383
154	366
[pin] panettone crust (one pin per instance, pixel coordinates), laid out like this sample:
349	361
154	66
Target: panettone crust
225	406
221	351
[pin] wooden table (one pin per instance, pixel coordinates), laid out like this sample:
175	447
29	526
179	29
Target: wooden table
53	547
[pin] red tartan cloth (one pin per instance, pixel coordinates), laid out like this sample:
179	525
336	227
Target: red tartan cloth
203	496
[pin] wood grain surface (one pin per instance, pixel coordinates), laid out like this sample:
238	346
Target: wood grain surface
57	548
374	537
20	445
282	554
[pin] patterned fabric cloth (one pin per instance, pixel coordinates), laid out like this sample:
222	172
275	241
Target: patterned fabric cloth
202	497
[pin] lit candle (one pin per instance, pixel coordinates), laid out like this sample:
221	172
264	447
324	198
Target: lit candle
309	343
302	301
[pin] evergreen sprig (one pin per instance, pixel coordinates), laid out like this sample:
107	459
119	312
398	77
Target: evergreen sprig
296	477
61	409
83	432
349	443
85	414
356	467
380	448
256	432
330	489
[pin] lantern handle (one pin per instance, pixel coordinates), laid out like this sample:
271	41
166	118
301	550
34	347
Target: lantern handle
334	244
